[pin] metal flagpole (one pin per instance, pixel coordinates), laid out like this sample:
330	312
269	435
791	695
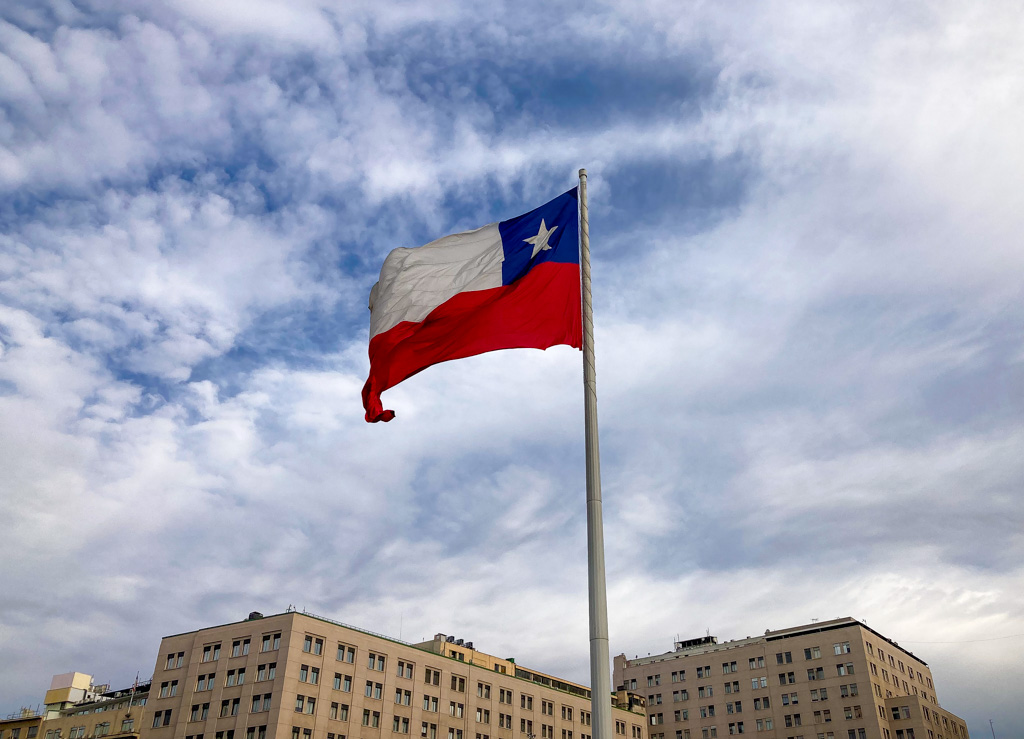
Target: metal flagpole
600	677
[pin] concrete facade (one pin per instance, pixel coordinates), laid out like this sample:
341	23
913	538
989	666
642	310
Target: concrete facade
831	680
299	676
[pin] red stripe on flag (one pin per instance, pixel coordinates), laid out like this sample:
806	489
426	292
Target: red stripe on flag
540	310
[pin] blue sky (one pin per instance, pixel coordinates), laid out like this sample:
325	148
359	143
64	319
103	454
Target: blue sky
807	262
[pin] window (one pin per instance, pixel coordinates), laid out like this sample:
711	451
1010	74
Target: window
304	674
431	676
458	684
525	726
235	677
211	652
339	711
200	712
680	695
783	658
705	691
733	687
174	660
240	647
842	648
786	678
428	730
260	703
547	708
400	724
229	707
255	732
459	710
376	662
707	711
169	689
161	718
312	644
405	669
229	734
270	642
343	682
760	703
567	713
374	690
266	671
505	696
454	733
845	669
728	667
205	682
483	690
430	703
127	725
101	729
678	677
704	671
483	716
736	728
526	702
371	718
758	682
816	673
403	697
812	653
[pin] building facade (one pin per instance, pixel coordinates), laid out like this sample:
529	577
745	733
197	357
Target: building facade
298	676
831	680
75	708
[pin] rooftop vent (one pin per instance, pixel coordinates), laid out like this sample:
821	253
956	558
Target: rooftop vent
254	616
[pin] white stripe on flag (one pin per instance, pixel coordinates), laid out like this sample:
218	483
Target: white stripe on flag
415	281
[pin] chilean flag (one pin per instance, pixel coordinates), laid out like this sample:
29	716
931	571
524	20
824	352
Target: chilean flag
513	284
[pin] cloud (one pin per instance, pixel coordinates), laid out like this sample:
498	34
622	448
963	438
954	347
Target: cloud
804	223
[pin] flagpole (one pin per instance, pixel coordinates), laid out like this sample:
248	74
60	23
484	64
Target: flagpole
600	677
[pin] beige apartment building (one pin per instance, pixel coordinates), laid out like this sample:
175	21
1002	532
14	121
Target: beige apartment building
836	679
299	676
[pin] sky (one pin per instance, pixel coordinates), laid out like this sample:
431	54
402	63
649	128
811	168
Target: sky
805	224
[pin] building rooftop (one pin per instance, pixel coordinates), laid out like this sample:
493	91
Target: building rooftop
710	644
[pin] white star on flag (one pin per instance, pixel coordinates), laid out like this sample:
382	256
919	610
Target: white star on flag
540	241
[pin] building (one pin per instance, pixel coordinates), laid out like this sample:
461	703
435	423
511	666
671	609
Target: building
299	676
21	725
831	680
101	712
75	708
